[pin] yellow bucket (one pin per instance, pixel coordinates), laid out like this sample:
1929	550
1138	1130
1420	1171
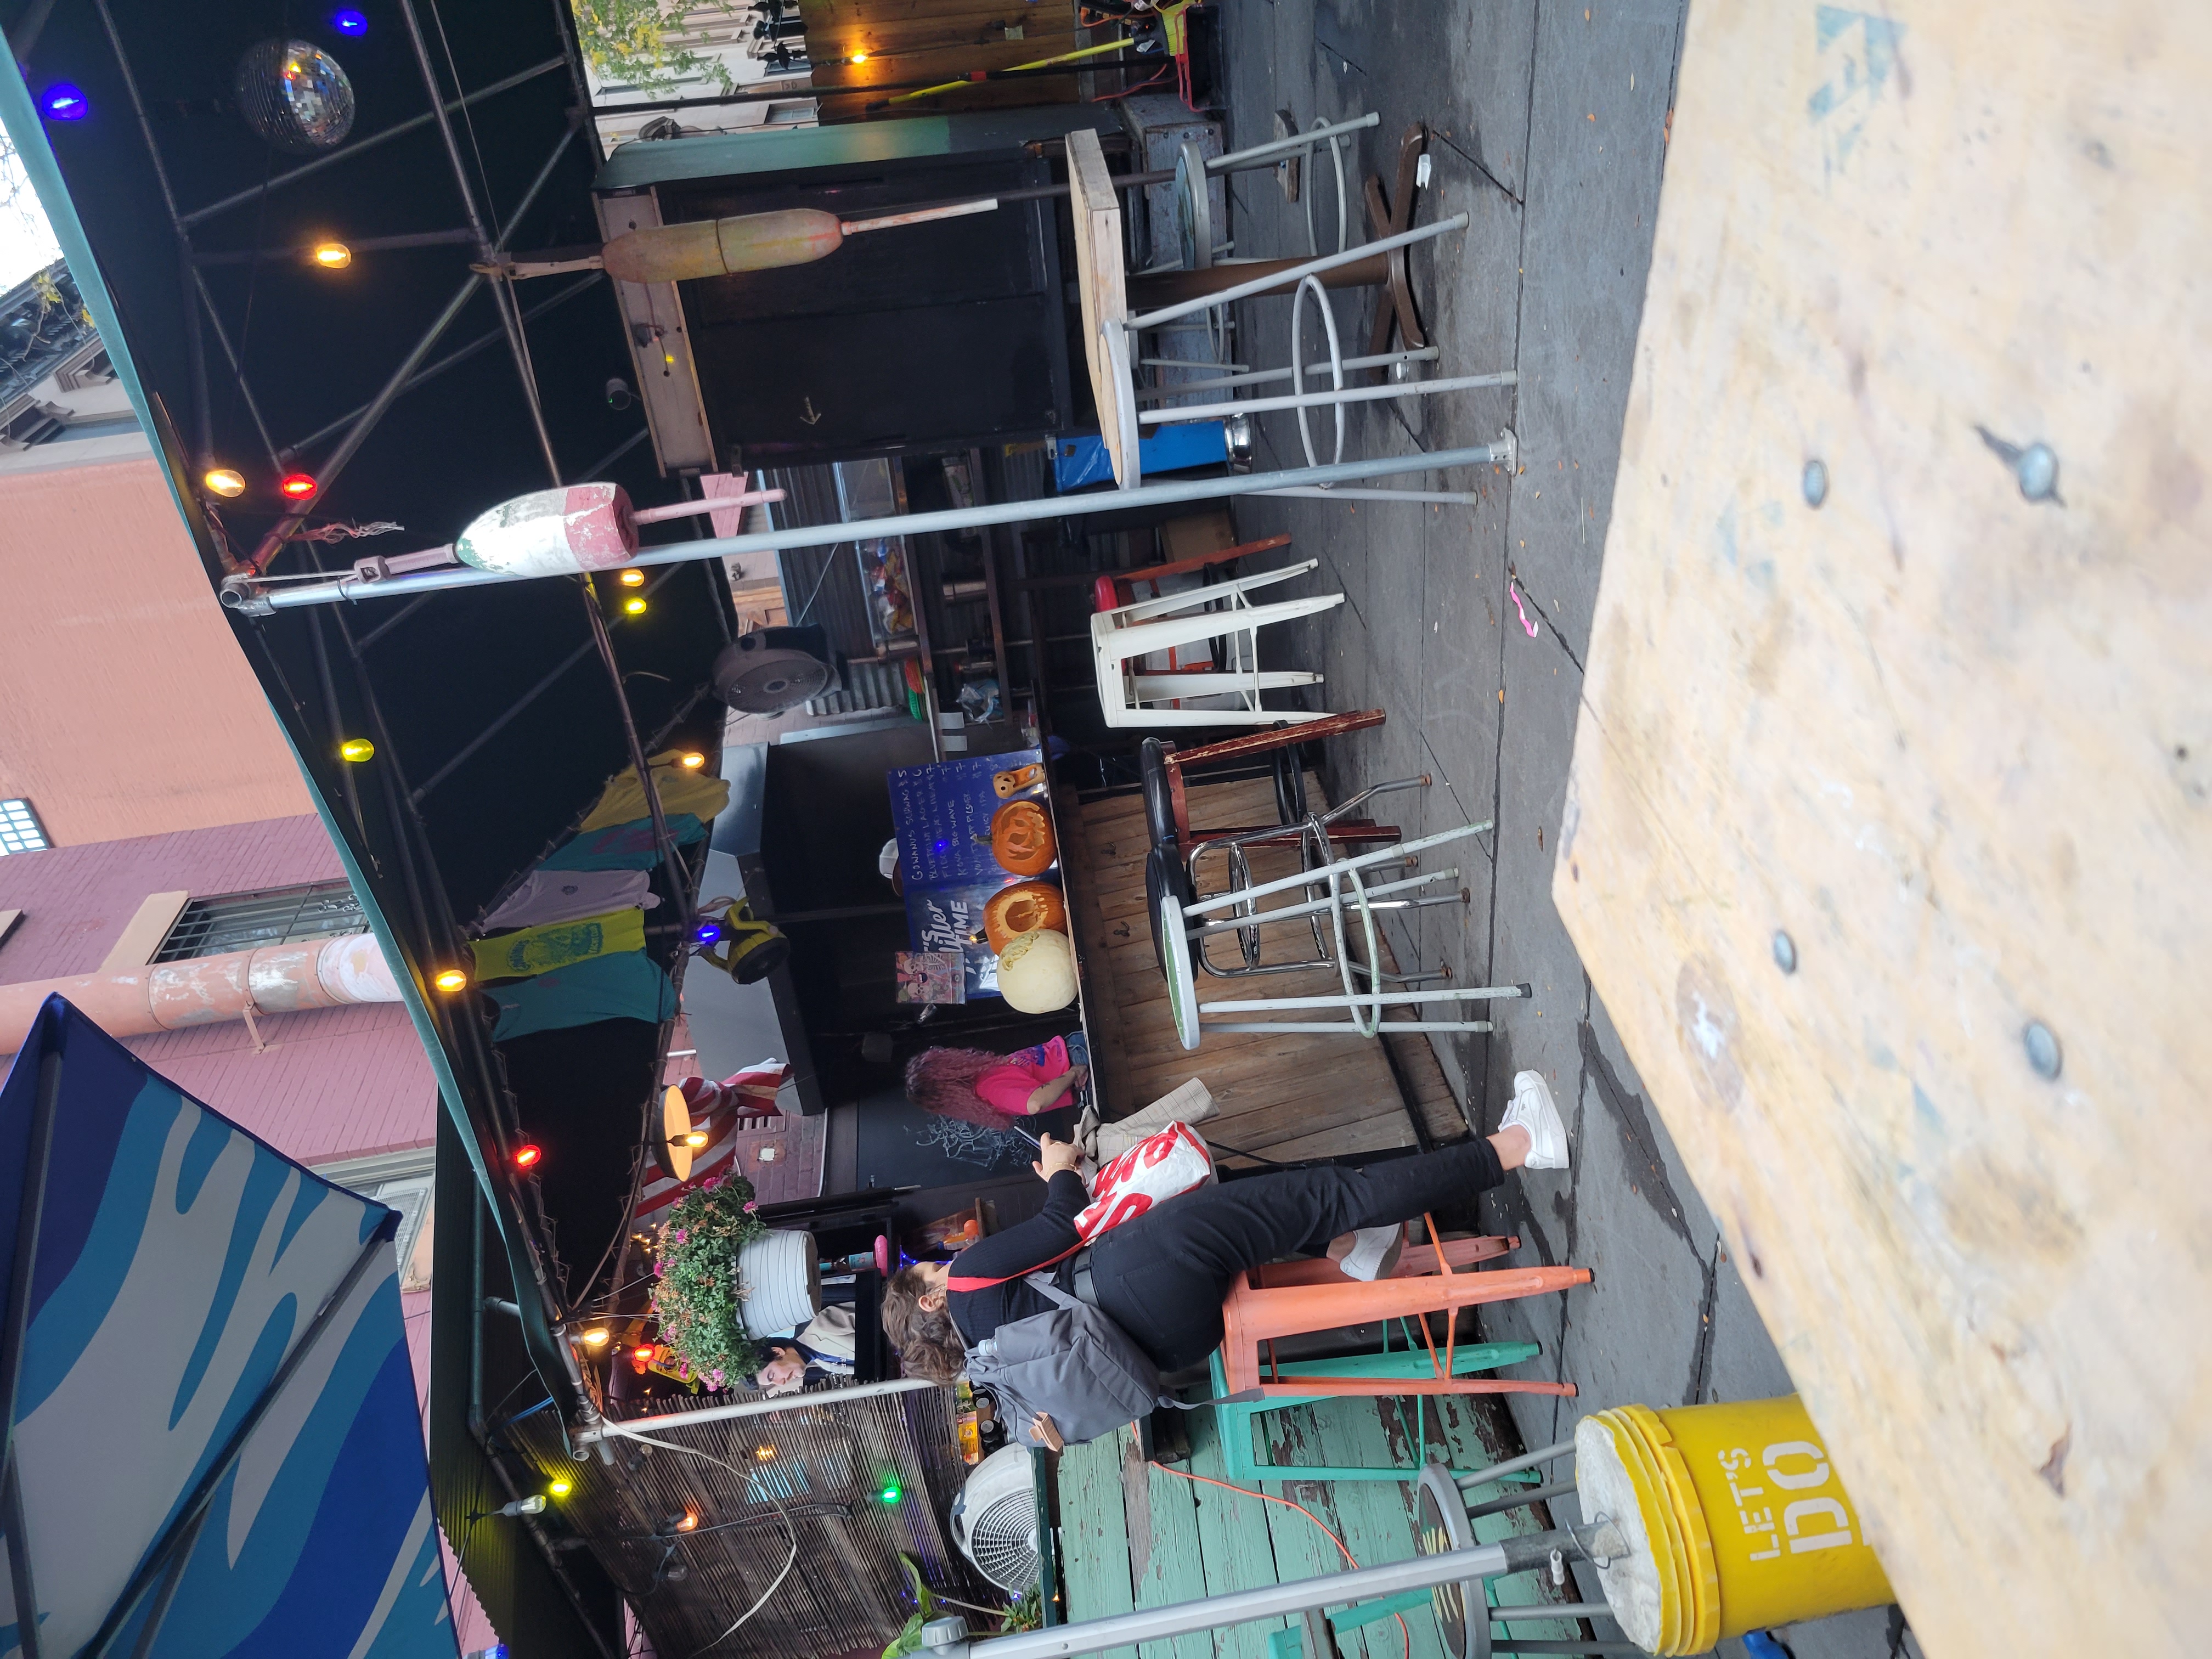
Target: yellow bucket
1733	1517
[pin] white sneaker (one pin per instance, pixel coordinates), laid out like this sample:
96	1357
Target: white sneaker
1534	1110
1374	1252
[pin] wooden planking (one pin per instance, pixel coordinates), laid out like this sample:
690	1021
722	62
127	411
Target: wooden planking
1232	1539
1377	1515
1167	1568
1328	1095
1958	744
1094	1535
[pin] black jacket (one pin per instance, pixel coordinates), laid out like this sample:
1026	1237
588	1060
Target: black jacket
1013	1254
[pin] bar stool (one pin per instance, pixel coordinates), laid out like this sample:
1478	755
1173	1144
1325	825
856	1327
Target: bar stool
1124	633
1252	1316
1163	768
1181	921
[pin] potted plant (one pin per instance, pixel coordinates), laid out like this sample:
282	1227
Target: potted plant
724	1279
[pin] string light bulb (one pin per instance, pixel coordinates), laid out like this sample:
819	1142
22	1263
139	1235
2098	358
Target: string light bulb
355	750
689	1523
559	1487
598	1337
632	577
634	606
696	1138
450	980
764	1454
224	481
298	486
690	760
643	1352
527	1154
333	256
708	932
63	102
892	1493
347	21
859	57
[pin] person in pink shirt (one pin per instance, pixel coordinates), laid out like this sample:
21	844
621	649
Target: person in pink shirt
977	1086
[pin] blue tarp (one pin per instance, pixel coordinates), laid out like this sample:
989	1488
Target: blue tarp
213	1426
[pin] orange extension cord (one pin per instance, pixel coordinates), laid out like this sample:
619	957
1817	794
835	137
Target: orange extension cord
1246	1492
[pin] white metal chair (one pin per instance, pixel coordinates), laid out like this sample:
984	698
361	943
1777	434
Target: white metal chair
1181	921
1110	331
1123	634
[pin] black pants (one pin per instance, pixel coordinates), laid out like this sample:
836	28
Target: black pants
1162	1277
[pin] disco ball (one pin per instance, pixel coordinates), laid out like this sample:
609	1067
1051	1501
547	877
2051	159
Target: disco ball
295	95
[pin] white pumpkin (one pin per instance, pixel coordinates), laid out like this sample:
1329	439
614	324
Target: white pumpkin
1036	971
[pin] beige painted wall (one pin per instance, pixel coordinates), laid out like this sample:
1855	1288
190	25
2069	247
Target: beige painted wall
126	705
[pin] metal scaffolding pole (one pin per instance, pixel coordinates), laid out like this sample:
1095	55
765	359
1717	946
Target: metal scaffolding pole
242	594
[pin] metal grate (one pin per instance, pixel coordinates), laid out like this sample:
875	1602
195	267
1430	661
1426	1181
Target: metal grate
242	921
20	829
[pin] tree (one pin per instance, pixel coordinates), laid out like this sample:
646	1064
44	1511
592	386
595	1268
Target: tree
627	44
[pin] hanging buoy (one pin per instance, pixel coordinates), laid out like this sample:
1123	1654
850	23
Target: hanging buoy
576	530
751	242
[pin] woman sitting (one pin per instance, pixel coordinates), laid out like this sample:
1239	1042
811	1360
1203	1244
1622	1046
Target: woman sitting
1162	1275
977	1086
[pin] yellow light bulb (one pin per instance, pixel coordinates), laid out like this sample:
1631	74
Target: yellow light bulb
632	577
859	57
634	606
696	1138
357	750
690	760
764	1454
596	1337
558	1487
451	979
333	256
224	481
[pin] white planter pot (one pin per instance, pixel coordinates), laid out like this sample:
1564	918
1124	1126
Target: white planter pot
782	1282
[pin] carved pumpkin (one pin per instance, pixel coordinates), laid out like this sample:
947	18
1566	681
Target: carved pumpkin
1018	909
1022	838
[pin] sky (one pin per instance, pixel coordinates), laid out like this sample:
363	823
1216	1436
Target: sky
27	241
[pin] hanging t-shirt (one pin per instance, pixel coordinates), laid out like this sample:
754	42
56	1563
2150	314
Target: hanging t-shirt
628	986
1007	1086
680	788
549	895
620	846
557	945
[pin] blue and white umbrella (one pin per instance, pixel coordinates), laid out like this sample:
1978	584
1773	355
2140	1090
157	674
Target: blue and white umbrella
212	1441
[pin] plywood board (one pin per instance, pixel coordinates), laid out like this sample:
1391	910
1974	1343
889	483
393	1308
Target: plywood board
1956	743
1099	283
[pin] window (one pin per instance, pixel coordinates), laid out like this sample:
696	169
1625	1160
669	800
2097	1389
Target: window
244	921
20	830
404	1180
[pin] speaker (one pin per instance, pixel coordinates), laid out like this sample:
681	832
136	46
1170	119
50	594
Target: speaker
773	669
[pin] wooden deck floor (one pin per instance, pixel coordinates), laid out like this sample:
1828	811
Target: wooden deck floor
1285	1097
1135	1535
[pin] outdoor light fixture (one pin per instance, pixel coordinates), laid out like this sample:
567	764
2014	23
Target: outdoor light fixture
634	606
598	1337
527	1154
632	577
559	1487
447	979
298	486
358	750
333	256
347	21
63	102
690	760
223	481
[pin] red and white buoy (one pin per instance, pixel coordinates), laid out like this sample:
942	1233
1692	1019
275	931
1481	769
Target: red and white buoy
575	530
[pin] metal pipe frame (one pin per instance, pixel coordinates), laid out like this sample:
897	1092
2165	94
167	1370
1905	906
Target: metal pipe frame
639	1427
1261	377
242	594
1299	1596
1297	273
1367	394
1514	1465
1236	160
199	214
1438	497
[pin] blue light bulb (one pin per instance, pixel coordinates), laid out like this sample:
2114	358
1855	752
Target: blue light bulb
347	21
708	932
63	102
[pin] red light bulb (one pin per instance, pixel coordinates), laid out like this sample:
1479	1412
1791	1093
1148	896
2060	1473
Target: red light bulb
298	486
527	1154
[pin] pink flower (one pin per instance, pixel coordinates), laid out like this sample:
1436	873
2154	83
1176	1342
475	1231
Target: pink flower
749	1209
